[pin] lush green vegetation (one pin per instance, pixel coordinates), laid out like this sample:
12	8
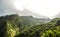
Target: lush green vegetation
27	26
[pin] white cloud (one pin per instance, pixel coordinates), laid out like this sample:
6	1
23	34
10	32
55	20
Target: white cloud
47	8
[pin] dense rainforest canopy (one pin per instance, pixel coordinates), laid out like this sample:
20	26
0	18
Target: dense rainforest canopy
28	26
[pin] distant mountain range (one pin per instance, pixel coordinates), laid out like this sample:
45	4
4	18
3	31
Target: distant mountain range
26	19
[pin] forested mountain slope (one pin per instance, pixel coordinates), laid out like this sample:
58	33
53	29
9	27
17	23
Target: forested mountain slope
28	26
51	29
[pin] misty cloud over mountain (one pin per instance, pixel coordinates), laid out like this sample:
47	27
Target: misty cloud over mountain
6	7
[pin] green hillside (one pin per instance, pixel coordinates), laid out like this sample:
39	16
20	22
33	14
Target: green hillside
28	26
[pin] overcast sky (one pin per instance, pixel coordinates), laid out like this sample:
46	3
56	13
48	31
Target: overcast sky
47	8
